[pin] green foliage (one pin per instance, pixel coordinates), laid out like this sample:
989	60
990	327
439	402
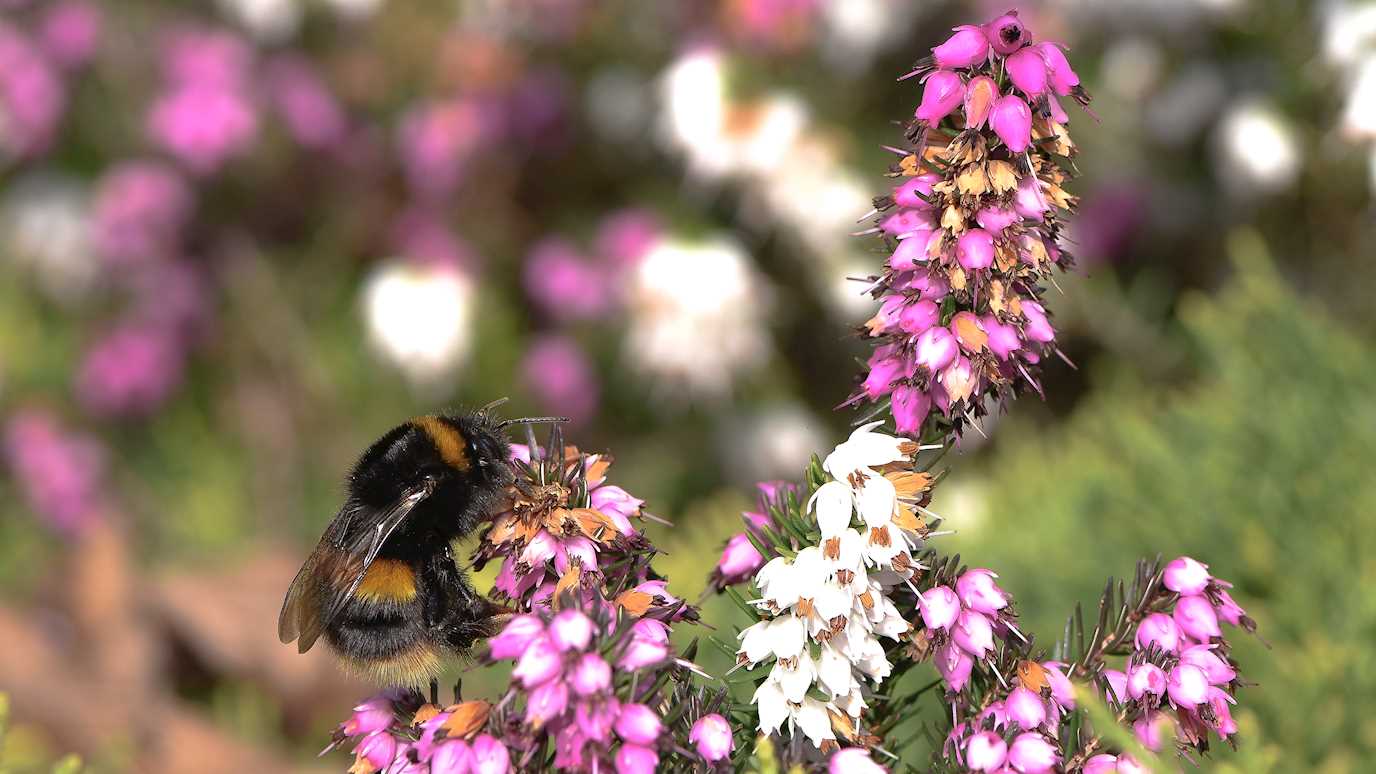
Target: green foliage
1262	469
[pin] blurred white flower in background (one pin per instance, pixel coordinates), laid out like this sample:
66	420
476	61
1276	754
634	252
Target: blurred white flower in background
1256	148
696	316
271	21
419	318
774	443
45	226
354	9
1350	46
856	30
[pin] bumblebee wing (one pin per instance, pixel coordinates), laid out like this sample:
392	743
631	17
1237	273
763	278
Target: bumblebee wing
331	574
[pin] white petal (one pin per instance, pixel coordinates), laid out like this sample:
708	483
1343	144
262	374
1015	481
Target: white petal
852	704
832	600
877	501
773	708
833	669
787	636
834	506
755	642
814	721
795	682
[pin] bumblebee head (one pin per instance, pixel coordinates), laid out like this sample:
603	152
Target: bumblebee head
486	450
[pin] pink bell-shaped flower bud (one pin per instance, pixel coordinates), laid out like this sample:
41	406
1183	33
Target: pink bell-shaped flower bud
636	759
954	665
1007	34
905	222
570	630
591	675
516	636
980	94
883	373
995	218
959	380
1026	708
918	317
1231	611
912	249
1029	202
1187	686
1196	618
1027	69
929	287
490	756
973	633
1184	575
1117	685
1153	730
975	249
1003	338
1058	113
616	503
539	663
1146	679
638	724
1102	763
853	760
711	735
936	349
1219	702
1216	669
966	48
1158	629
985	751
1062	692
915	191
978	591
910	409
547	702
1038	328
942	93
1030	753
378	748
739	559
1063	79
375	714
939	606
1011	120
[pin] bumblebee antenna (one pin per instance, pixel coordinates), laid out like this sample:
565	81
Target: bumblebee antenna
492	405
529	420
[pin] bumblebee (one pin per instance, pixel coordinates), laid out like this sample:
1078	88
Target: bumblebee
382	585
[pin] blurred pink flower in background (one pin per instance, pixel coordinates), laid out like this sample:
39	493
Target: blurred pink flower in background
307	106
139	211
32	96
421	234
129	372
206	114
195	56
70	33
435	141
60	474
564	283
562	377
537	111
625	236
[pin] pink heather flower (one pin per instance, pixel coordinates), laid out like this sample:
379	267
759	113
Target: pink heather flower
1026	708
564	284
562	377
918	317
203	125
130	372
711	735
70	32
973	633
912	249
1231	611
375	714
139	211
1063	79
641	653
906	222
1027	69
539	663
929	287
638	724
975	249
1038	328
936	349
1117	684
1030	753
453	756
308	108
435	142
1185	576
1029	202
617	503
940	607
1007	34
1062	692
1187	685
206	57
853	760
61	475
1219	702
1216	669
966	48
546	702
910	409
1152	730
959	381
985	751
570	630
915	192
1011	120
978	591
624	237
595	719
1196	618
942	93
490	756
993	716
32	97
739	560
378	748
995	218
954	665
884	371
591	675
1003	339
1158	629
1146	679
421	234
980	94
1101	764
634	759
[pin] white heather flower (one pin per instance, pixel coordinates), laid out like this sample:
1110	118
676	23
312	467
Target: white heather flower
812	719
771	705
45	221
795	676
833	505
776	584
697	316
1256	149
419	317
863	450
271	21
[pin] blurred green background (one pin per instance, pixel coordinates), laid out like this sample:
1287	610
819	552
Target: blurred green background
240	239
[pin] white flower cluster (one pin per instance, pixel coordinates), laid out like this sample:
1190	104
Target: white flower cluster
830	603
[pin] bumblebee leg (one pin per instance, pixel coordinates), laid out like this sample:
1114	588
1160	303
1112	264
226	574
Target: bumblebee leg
434	691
